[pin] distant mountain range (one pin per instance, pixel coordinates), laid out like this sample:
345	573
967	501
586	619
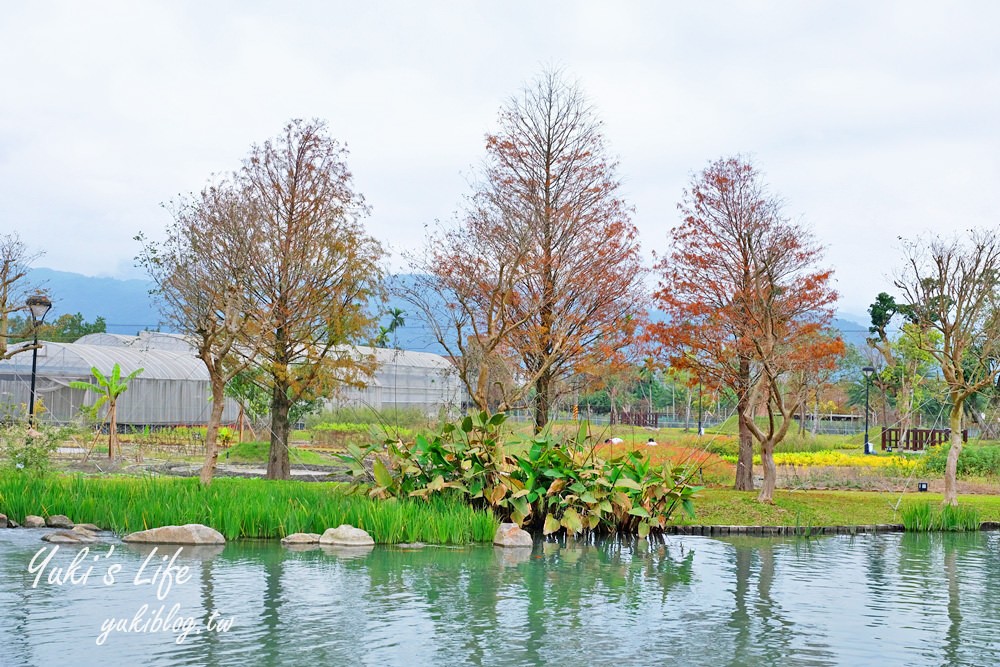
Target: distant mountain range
127	308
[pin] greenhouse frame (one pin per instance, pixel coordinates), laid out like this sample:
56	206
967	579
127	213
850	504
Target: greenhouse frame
174	389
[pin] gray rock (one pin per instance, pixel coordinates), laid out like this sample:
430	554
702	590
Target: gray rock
69	537
511	535
301	538
89	526
58	521
3	521
347	536
192	533
12	524
411	545
84	531
32	521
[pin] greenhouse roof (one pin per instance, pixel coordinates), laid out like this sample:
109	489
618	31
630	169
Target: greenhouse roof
76	359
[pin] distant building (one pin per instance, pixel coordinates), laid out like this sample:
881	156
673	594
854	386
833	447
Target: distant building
174	387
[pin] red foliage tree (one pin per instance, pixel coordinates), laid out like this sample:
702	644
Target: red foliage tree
745	307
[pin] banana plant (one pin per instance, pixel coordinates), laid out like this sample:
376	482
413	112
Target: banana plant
109	387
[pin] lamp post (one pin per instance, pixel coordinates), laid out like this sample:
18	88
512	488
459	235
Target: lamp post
39	305
701	431
867	370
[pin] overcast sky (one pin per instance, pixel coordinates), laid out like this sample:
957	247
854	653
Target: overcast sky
873	120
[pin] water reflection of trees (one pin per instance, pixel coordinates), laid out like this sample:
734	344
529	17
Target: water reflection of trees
761	631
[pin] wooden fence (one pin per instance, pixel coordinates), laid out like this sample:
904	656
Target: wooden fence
917	439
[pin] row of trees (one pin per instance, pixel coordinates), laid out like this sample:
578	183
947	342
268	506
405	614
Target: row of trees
538	286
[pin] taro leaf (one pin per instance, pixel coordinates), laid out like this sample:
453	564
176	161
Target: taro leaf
556	486
520	493
521	508
551	525
594	520
437	484
639	511
625	482
571	521
588	497
578	488
497	494
382	475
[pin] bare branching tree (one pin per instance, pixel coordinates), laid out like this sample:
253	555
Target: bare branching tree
950	287
203	291
544	268
15	262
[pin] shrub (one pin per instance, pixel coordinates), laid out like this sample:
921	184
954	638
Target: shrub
29	454
541	482
973	461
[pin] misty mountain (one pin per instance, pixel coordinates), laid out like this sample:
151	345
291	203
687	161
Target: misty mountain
127	307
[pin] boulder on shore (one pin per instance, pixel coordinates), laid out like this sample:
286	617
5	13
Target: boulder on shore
32	521
70	537
511	535
3	521
301	538
59	521
191	533
347	536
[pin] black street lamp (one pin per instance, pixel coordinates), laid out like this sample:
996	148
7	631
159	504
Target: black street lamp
701	431
39	305
867	370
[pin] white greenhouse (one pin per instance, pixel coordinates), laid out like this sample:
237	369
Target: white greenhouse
173	388
405	379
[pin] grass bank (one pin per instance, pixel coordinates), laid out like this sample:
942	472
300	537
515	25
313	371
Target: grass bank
239	508
726	507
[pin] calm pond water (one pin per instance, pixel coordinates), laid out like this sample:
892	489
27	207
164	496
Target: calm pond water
865	600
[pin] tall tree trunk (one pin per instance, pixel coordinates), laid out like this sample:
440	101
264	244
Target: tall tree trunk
212	433
277	463
770	471
802	413
112	430
951	467
744	462
904	402
543	390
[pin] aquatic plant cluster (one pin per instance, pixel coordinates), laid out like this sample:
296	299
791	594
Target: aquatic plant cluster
922	517
240	508
548	482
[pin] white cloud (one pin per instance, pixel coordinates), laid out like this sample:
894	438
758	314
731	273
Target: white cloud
873	120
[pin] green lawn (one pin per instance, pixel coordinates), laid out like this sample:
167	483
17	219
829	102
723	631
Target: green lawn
726	507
